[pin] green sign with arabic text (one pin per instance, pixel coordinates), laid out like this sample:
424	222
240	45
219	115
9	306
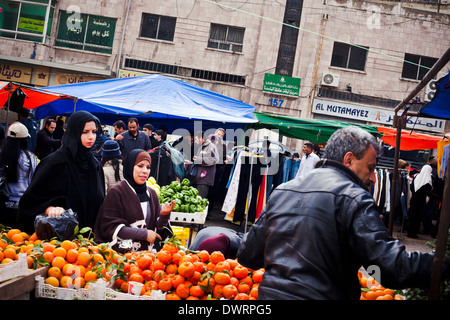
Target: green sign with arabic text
281	84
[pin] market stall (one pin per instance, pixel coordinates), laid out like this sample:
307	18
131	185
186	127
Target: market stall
439	107
151	96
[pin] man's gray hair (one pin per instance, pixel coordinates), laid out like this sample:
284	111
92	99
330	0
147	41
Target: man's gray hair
350	139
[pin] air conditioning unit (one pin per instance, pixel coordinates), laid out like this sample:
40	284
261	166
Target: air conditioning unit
330	80
430	91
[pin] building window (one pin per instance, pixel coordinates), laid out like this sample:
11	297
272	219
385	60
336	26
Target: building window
27	20
413	66
85	32
157	27
348	56
226	38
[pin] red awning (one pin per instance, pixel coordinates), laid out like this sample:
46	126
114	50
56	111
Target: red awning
35	97
409	141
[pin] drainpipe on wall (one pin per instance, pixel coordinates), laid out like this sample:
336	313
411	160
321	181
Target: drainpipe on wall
313	94
123	36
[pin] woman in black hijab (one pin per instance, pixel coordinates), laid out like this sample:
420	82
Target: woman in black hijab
131	217
69	178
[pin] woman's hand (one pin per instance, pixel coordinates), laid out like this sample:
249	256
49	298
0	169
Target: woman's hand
152	236
167	208
54	211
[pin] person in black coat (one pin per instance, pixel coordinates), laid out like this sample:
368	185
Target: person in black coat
69	178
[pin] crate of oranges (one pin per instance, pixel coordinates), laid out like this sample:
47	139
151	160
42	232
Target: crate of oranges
372	290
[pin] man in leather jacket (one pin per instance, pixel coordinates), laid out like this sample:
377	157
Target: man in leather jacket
317	231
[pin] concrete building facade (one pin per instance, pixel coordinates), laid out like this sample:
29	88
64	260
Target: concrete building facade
233	47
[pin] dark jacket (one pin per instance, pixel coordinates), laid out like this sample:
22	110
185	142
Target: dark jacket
316	232
70	178
121	218
45	144
129	142
207	158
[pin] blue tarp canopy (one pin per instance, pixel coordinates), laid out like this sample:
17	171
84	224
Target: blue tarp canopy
439	106
153	96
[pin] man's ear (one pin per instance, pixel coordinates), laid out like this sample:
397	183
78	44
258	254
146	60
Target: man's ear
348	159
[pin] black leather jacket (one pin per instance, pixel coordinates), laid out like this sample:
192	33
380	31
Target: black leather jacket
316	232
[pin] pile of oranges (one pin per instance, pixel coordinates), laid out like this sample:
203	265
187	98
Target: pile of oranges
180	274
372	290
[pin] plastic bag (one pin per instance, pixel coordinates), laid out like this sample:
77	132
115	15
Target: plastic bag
62	227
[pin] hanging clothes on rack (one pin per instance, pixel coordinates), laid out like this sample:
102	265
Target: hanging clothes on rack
246	176
443	155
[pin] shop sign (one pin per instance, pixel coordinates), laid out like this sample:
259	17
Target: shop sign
369	114
10	72
278	84
31	25
130	74
67	78
41	76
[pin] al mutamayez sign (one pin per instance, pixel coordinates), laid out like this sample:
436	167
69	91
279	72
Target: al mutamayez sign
357	112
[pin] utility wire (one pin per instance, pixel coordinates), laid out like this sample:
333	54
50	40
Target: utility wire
318	34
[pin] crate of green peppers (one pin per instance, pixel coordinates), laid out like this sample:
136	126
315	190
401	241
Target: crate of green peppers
189	206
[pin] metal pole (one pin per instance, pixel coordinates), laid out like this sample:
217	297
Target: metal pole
437	67
441	243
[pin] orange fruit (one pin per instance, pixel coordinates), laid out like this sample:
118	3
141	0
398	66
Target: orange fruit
229	291
79	282
258	275
124	287
165	284
222	266
204	255
218	291
195	277
144	261
222	278
48	256
207	283
136	277
240	272
67	245
60	252
196	291
385	297
186	269
371	295
169	247
158	265
216	256
72	255
48	247
164	256
233	263
182	291
58	262
13	232
10	253
80	271
242	296
3	244
52	281
243	287
158	275
83	249
66	282
68	269
83	258
176	257
17	238
90	276
254	292
97	257
6	260
33	237
177	280
171	269
54	272
172	296
30	261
